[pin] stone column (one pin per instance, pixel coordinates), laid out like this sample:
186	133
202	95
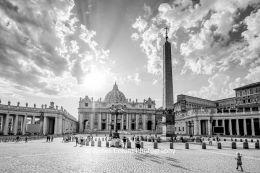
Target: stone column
63	125
195	127
33	119
91	121
223	123
127	121
24	124
56	125
44	125
60	124
245	129
108	122
81	125
115	122
199	127
15	124
130	122
144	122
209	127
237	126
99	121
230	127
153	120
6	124
122	122
253	126
137	121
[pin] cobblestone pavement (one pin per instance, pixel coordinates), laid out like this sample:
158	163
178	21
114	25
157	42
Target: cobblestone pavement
39	156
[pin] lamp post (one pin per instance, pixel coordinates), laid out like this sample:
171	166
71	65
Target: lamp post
116	110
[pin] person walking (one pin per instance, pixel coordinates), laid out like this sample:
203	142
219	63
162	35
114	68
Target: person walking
137	144
26	139
51	138
124	141
76	138
239	161
210	141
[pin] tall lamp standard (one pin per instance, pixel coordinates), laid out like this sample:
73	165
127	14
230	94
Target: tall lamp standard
116	110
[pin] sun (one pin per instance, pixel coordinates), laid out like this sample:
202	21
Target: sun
95	80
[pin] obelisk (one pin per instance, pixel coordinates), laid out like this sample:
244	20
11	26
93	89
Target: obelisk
168	129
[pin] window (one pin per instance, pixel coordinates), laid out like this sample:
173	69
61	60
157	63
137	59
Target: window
86	104
149	106
182	128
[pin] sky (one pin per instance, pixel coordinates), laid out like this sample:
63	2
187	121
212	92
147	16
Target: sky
62	50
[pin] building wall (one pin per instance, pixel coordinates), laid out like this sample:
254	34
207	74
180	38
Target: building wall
16	119
238	115
137	116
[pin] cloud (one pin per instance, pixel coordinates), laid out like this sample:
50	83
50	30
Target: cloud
140	24
219	86
155	81
134	78
43	43
212	31
253	75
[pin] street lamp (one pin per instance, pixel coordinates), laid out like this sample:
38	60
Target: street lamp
116	110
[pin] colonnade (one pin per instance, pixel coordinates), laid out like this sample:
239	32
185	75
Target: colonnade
241	126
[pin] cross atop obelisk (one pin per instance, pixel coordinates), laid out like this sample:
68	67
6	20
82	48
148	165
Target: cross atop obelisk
166	33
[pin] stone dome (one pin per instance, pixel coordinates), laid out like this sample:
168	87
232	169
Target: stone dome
115	96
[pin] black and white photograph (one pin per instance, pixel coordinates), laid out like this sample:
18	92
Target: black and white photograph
129	86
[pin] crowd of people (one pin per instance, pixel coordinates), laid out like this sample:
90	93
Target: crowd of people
16	139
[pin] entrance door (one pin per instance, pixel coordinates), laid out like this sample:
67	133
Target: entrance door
51	126
203	127
103	126
133	126
118	126
149	125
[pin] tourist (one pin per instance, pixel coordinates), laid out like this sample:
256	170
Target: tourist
137	144
76	138
239	161
210	141
124	140
26	139
51	138
17	138
81	141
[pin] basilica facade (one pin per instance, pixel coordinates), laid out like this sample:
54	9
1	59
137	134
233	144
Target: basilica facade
96	116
